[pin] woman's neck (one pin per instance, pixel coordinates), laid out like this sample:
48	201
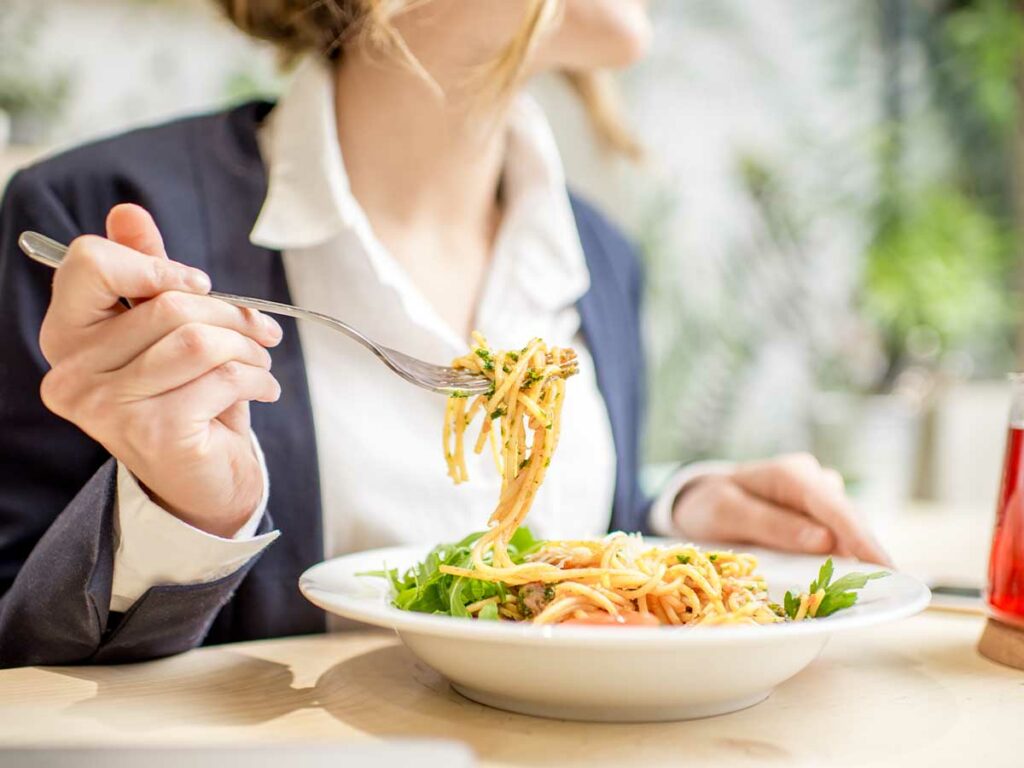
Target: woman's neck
425	169
413	156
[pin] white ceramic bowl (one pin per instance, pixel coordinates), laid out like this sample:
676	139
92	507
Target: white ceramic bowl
613	674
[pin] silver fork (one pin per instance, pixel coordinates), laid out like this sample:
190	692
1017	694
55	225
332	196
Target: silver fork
437	378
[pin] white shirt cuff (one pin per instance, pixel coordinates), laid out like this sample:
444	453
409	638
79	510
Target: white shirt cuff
153	547
660	519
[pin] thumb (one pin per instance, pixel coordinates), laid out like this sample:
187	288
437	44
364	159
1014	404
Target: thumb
133	227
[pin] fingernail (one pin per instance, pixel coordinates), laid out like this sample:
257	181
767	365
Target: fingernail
272	326
197	280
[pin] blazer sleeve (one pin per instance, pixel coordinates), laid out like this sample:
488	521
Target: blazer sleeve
58	492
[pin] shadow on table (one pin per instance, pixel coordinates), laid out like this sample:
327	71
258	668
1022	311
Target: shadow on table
387	692
226	689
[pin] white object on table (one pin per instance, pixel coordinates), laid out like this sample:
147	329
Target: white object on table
634	674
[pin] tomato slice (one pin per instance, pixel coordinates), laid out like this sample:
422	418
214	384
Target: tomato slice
625	618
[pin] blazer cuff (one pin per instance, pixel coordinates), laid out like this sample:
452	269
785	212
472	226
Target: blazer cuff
153	547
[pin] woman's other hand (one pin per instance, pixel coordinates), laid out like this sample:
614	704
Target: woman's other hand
790	503
164	386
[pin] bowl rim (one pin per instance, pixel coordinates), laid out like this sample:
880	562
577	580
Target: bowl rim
908	596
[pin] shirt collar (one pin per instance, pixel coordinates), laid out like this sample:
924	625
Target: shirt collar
309	200
308	196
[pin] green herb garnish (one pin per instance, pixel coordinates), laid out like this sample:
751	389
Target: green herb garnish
839	594
425	589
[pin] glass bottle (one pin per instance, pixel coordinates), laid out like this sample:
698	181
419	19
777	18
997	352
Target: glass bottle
1006	560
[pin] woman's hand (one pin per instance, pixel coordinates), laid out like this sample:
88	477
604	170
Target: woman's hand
790	503
164	386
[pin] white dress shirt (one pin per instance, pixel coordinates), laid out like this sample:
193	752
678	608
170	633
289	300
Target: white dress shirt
382	470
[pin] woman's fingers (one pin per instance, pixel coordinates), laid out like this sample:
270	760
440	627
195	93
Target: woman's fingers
133	227
186	353
719	509
854	536
236	418
214	393
125	337
834	479
766	524
799	483
96	273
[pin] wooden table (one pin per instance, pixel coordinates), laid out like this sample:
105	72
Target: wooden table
914	693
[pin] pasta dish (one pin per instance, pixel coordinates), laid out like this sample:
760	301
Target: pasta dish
503	573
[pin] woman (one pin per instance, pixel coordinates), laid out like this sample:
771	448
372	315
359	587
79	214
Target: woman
400	183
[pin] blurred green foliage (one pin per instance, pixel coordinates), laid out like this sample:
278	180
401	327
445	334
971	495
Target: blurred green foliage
24	90
937	264
986	41
945	256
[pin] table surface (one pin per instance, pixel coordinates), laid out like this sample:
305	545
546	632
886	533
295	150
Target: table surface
911	693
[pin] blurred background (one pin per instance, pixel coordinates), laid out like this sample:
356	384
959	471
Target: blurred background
830	210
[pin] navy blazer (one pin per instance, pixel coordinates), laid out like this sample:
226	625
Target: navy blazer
203	180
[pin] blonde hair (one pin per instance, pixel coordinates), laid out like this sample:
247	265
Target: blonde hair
328	26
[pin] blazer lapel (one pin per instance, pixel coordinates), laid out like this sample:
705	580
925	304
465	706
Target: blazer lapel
605	318
233	184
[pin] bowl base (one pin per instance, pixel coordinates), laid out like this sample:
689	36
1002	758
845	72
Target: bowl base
610	714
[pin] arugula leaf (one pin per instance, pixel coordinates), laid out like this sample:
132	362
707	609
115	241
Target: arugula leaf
522	542
488	613
824	576
854	581
839	594
791	604
836	602
425	589
843	592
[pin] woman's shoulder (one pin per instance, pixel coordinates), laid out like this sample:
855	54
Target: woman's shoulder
158	160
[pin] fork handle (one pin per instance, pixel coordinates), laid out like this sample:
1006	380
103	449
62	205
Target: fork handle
47	251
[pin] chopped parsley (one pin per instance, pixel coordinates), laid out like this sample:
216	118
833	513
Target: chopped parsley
486	356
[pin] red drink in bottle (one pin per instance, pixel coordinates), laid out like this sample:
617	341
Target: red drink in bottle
1006	562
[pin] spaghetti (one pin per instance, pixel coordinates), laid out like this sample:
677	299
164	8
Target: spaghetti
617	579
